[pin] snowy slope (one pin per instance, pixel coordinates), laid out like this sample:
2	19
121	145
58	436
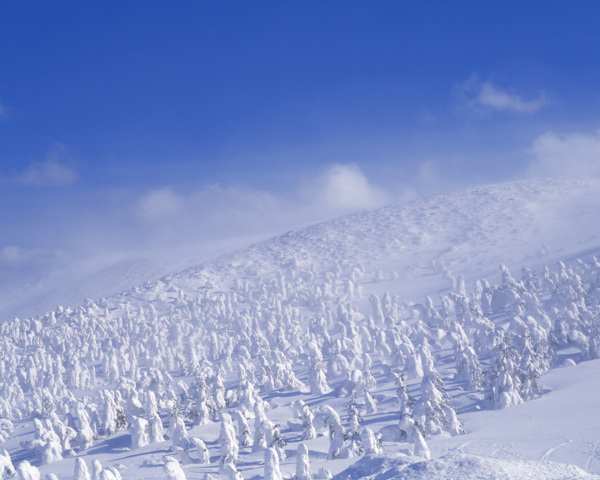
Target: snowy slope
302	302
561	426
468	232
68	282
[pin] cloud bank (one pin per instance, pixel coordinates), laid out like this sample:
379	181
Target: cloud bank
573	155
214	211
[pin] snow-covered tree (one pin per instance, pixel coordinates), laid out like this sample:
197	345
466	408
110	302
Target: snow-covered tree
85	434
230	472
302	463
173	469
243	429
317	377
139	432
81	470
180	435
110	413
337	435
26	471
468	367
202	450
370	443
405	401
353	434
96	469
229	441
432	411
419	445
272	471
503	384
531	369
7	469
155	426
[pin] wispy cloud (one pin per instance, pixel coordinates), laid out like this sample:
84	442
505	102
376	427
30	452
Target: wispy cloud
160	203
484	97
54	171
3	112
13	256
570	155
48	173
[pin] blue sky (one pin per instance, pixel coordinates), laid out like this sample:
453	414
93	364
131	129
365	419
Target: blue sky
149	124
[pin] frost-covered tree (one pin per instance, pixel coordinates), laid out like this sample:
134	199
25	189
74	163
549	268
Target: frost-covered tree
261	423
85	434
432	411
246	396
173	469
139	432
370	443
302	463
110	413
308	429
81	470
353	434
202	450
203	410
420	448
219	391
108	474
229	441
317	377
52	450
243	429
272	471
7	469
26	471
96	469
180	435
531	369
502	382
337	435
230	472
405	401
468	367
155	426
267	435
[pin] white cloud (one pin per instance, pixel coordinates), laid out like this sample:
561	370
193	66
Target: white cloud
48	173
344	187
566	155
167	216
481	97
54	171
160	203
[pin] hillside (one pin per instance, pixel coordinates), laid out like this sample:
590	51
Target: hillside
357	347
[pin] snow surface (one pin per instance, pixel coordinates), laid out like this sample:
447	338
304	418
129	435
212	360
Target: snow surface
410	251
457	466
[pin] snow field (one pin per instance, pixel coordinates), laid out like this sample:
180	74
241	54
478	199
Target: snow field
310	339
